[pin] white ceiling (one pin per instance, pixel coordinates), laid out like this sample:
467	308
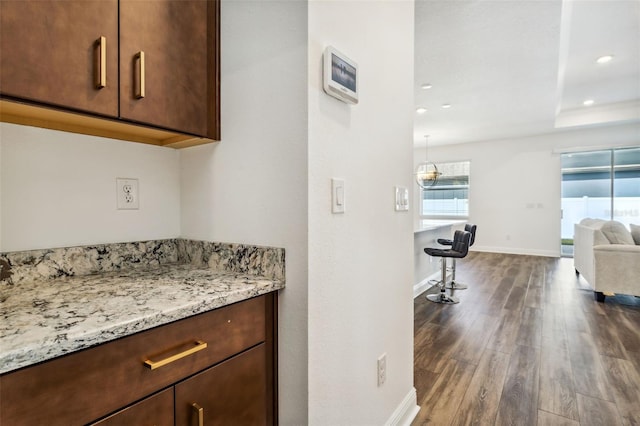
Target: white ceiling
514	68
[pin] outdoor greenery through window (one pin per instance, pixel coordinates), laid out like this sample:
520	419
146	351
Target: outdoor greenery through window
449	197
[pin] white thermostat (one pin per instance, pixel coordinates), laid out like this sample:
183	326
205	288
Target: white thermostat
340	76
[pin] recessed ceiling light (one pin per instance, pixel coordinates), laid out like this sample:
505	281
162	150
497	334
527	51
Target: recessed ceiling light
426	86
421	110
445	106
588	102
604	59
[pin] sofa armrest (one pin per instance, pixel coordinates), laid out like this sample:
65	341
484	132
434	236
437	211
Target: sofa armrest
584	239
617	268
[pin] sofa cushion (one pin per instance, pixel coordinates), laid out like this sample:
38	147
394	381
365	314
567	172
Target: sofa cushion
616	233
592	223
635	233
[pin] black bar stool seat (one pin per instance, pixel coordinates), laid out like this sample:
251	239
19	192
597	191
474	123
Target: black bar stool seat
459	249
455	284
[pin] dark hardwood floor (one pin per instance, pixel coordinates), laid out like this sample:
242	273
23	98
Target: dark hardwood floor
526	345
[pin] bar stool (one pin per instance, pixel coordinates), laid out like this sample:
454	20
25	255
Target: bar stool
459	249
453	284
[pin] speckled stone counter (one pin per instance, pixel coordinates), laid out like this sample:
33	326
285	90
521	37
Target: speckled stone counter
43	317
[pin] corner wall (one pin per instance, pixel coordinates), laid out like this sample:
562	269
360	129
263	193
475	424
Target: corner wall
515	185
252	187
360	262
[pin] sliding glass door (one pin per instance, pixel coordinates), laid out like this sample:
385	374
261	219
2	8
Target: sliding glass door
601	185
626	186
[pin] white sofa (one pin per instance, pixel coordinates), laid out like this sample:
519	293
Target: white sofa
607	255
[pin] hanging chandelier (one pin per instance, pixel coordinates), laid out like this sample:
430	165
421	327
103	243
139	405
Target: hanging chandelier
426	172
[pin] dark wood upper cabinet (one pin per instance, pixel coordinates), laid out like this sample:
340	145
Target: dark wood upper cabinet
50	52
163	47
150	67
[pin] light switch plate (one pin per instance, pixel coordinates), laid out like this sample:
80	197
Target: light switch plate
337	195
402	199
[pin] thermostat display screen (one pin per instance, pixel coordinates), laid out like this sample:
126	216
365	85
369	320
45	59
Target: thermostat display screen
343	73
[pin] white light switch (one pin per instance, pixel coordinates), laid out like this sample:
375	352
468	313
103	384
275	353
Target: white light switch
337	196
402	199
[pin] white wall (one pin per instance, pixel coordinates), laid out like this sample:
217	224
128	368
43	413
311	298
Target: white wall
252	187
515	185
360	262
59	189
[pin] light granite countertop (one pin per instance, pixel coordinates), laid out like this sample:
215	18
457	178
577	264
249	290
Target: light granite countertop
433	224
42	320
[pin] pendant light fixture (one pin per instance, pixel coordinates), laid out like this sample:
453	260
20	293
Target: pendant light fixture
426	172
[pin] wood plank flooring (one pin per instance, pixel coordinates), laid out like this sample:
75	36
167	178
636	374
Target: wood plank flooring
526	345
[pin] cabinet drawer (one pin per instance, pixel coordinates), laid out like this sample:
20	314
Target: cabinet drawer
86	385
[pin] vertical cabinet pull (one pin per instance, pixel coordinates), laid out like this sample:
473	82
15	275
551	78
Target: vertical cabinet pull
140	58
101	69
199	411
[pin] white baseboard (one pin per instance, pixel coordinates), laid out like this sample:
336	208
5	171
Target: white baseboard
523	251
406	411
424	285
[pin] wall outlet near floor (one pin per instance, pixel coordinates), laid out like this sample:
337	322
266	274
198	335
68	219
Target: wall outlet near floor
127	194
382	369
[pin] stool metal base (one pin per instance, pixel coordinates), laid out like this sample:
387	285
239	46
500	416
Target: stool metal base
443	298
456	286
453	284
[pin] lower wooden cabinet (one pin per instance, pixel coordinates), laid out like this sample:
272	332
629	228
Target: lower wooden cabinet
156	410
223	361
236	393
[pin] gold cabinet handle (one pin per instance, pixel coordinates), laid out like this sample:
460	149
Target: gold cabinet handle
152	365
200	412
140	58
101	69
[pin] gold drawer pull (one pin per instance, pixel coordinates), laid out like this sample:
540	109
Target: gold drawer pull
140	58
200	412
152	365
101	80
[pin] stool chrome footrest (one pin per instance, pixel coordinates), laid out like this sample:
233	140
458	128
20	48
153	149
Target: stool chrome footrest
456	286
443	298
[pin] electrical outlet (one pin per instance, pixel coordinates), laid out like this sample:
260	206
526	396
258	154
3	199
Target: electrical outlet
382	369
127	194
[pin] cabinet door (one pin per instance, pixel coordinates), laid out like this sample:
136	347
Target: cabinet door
231	393
156	410
50	52
168	64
